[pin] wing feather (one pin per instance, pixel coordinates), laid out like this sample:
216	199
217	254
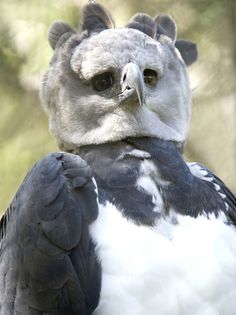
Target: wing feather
47	259
223	198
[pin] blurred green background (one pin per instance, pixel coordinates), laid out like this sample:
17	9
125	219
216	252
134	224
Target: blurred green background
25	53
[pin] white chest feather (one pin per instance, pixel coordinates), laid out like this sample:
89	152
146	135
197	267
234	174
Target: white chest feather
183	269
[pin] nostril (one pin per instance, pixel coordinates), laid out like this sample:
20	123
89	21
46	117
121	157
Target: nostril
124	77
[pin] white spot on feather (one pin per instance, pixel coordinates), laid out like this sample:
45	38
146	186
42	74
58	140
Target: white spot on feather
217	187
148	168
198	171
148	185
136	153
223	196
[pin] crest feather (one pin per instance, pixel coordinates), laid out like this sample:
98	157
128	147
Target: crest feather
142	22
57	30
168	24
96	18
188	51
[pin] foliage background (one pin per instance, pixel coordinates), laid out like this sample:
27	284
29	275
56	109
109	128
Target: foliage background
24	56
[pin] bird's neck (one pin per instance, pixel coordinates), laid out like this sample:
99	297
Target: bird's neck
136	147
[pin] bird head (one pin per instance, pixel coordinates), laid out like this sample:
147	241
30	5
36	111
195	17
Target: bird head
105	84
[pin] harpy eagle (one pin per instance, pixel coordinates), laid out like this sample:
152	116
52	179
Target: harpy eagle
118	223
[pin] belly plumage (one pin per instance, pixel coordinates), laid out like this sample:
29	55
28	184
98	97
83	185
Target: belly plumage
168	269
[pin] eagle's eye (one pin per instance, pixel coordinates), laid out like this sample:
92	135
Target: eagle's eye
102	81
150	77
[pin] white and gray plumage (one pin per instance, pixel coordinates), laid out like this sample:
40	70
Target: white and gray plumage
127	228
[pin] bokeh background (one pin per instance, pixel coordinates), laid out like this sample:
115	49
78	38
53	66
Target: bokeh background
25	53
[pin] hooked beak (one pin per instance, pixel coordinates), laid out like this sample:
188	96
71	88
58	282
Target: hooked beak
132	82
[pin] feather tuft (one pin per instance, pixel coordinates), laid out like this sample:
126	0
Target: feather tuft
188	51
96	18
168	25
143	23
56	31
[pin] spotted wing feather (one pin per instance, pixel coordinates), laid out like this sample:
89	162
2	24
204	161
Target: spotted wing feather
226	199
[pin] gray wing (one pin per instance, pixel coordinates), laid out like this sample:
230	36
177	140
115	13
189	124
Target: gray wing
48	263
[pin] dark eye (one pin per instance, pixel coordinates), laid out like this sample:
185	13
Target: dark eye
150	77
102	81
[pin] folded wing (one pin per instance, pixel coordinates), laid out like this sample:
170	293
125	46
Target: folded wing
48	263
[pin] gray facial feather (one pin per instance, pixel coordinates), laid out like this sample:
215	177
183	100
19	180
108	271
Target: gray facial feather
81	115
